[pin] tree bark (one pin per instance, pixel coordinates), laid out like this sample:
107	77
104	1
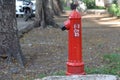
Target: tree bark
57	7
9	42
45	12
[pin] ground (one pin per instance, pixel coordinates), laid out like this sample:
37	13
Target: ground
46	49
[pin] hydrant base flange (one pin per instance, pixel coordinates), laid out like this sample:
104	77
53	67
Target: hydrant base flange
67	73
75	68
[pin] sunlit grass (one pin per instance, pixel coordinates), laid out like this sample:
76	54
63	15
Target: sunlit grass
66	8
111	66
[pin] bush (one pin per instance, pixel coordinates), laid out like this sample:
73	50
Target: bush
114	10
90	3
99	7
117	11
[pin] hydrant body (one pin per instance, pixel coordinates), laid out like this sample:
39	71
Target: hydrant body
75	64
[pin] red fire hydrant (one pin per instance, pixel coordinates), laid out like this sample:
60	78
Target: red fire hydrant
75	64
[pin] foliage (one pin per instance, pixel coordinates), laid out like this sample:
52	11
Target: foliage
114	9
112	65
90	3
118	13
99	7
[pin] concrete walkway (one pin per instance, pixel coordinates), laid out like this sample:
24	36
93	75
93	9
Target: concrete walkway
82	77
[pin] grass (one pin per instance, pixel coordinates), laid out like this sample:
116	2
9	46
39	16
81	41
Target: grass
111	66
60	73
42	75
57	73
67	8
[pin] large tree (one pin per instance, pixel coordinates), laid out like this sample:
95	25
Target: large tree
9	41
56	6
45	11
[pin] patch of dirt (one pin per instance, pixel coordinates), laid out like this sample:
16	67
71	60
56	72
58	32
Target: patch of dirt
46	50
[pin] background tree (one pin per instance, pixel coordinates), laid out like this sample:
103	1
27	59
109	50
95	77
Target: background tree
45	11
56	7
9	42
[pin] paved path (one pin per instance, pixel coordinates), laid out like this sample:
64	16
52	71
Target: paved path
82	77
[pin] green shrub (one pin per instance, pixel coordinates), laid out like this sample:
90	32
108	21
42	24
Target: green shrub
118	12
99	7
114	9
90	3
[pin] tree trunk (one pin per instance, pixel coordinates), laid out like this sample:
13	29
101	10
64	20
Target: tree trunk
57	7
9	42
61	5
45	13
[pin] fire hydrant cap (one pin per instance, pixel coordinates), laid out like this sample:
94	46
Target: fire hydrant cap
75	14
